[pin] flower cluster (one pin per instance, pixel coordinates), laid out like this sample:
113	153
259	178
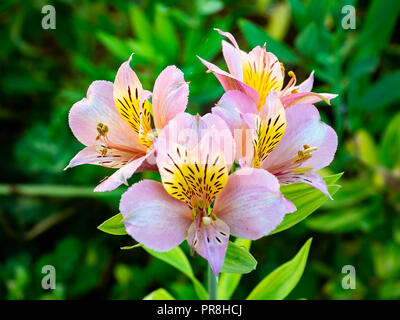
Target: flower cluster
220	173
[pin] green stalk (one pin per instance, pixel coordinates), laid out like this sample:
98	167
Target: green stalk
212	284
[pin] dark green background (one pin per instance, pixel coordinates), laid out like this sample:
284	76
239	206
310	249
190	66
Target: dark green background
48	216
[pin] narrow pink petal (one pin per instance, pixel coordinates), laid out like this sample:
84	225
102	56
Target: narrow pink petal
99	107
170	96
307	85
120	176
251	203
229	82
304	127
126	79
210	241
311	178
87	155
306	98
233	60
154	218
229	36
91	155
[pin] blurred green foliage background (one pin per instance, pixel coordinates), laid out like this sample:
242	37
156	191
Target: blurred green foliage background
48	216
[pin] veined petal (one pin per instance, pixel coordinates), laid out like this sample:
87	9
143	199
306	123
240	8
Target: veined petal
91	155
251	203
129	95
233	60
263	72
145	131
170	96
307	142
122	175
192	156
306	98
154	218
270	128
99	108
308	177
229	82
210	241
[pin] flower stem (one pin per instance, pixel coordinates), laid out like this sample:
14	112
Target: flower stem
212	284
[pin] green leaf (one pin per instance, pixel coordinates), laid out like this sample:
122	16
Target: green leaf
280	282
177	258
159	294
256	36
114	225
238	259
208	7
299	13
165	34
383	93
116	46
228	282
372	30
140	24
307	199
351	219
390	146
307	41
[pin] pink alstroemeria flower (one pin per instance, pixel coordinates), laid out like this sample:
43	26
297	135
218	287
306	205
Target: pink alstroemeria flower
290	143
114	121
194	155
259	72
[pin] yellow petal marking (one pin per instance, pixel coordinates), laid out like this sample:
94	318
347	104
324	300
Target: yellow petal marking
145	130
259	75
269	133
128	106
190	181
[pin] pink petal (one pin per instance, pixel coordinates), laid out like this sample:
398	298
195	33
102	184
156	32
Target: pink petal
121	176
229	82
99	107
210	241
231	105
304	127
260	59
154	218
91	155
239	111
306	98
229	36
233	60
311	178
251	203
272	106
307	85
170	96
203	136
126	79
